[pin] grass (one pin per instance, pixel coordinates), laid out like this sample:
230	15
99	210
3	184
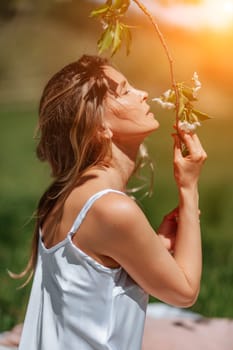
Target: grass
22	180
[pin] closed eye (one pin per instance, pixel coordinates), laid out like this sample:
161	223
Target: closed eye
123	88
125	92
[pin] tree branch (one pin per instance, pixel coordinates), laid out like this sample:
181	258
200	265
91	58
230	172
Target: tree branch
168	54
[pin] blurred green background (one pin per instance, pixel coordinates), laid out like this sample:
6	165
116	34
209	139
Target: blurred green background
37	39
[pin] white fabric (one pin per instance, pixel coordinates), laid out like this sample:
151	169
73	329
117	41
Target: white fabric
78	304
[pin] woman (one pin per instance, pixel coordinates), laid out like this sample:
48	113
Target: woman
95	255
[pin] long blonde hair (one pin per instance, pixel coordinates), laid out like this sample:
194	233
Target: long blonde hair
70	114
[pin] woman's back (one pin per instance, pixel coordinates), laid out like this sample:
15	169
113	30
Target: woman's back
76	301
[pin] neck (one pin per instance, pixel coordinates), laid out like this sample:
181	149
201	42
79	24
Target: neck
122	164
120	167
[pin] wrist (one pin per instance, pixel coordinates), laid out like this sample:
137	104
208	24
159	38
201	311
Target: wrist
192	188
189	195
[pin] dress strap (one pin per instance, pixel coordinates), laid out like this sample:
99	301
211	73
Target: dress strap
80	217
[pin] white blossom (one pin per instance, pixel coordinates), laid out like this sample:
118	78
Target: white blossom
188	127
196	80
197	84
163	104
104	24
167	94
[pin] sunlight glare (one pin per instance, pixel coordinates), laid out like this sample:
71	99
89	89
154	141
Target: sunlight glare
228	6
219	13
216	15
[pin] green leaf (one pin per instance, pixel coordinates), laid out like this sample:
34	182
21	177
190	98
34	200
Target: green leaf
172	97
121	5
188	92
106	40
99	11
124	6
118	3
128	39
201	116
185	99
182	102
193	117
117	38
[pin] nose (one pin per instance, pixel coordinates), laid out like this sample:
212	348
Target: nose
143	95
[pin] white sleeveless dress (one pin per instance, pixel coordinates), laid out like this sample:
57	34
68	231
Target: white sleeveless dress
78	304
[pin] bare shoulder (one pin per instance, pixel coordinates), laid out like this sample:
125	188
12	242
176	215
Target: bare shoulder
119	219
112	216
117	209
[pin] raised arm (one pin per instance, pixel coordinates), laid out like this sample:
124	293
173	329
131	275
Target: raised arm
129	239
187	249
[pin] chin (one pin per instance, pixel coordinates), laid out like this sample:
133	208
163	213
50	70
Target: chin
150	130
154	122
155	126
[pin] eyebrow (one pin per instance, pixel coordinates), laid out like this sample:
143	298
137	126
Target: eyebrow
122	84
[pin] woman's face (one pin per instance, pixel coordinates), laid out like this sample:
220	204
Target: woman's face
128	114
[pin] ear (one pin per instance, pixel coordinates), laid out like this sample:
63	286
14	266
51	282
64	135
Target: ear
105	133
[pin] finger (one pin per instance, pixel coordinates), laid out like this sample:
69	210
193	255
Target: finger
193	139
193	145
199	145
196	142
177	146
186	139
